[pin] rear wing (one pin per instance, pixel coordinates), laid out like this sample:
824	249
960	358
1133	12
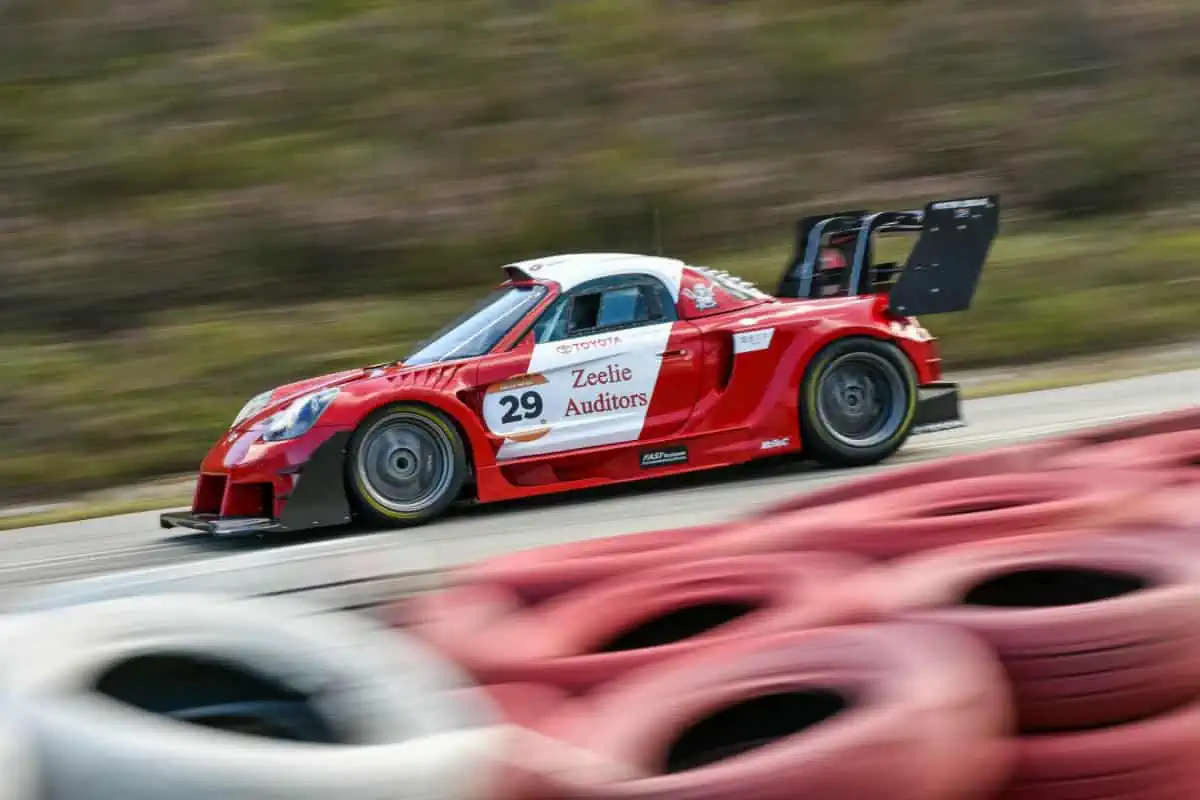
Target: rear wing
939	276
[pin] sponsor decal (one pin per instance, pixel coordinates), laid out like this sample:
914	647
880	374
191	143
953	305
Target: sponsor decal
518	401
972	203
519	382
598	392
605	402
775	444
752	341
567	348
701	296
610	375
613	373
664	457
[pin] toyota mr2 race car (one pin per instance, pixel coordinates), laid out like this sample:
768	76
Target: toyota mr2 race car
591	369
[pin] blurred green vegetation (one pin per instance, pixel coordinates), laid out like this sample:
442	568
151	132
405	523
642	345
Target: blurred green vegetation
202	198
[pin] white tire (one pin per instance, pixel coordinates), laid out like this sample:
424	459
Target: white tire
19	774
406	723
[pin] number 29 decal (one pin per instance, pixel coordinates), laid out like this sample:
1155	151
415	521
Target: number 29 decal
515	408
527	405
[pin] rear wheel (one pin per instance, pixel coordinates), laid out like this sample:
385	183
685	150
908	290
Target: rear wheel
407	464
857	402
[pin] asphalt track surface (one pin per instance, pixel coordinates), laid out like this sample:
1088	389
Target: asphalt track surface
46	554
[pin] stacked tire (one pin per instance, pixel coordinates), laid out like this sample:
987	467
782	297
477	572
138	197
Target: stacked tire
1017	625
181	696
1099	638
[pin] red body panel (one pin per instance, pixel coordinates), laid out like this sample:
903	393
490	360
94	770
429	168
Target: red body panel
723	405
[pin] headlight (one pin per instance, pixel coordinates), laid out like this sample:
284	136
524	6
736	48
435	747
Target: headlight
256	404
298	418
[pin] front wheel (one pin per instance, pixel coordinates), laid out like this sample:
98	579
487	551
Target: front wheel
407	464
858	400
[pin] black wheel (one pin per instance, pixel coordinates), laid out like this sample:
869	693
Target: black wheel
407	464
857	402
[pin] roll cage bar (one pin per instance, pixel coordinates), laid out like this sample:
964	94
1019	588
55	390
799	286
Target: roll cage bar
941	272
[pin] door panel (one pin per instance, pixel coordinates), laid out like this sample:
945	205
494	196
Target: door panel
678	386
583	392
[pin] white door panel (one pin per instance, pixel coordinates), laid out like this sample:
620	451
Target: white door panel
579	393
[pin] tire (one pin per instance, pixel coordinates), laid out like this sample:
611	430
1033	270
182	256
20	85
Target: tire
528	705
592	636
486	600
1162	451
828	420
461	621
1152	759
20	770
381	476
372	714
1015	459
1187	419
1092	629
541	573
906	521
905	712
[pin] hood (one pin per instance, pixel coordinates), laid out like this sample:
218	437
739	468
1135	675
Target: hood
290	391
281	396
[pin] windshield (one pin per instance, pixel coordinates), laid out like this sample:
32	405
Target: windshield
477	331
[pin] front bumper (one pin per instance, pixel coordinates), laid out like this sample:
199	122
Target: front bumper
220	526
939	408
303	496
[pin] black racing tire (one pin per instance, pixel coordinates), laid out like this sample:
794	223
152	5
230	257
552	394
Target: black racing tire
406	464
875	375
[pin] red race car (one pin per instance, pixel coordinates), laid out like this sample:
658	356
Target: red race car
591	369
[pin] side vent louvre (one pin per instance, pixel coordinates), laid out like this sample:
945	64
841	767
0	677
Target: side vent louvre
725	368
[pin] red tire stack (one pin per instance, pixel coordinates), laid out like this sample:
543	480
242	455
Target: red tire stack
1017	625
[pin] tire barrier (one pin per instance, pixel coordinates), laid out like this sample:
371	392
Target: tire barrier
465	618
799	715
1152	759
542	573
1092	629
599	632
1162	451
529	705
1183	420
904	521
20	768
1012	625
188	696
1006	461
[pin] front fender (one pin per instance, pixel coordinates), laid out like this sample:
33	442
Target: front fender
443	399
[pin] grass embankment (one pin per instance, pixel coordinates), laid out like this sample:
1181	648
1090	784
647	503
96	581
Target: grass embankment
85	415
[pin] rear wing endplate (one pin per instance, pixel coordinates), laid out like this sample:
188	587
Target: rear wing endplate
942	270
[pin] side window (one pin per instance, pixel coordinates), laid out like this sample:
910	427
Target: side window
605	305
